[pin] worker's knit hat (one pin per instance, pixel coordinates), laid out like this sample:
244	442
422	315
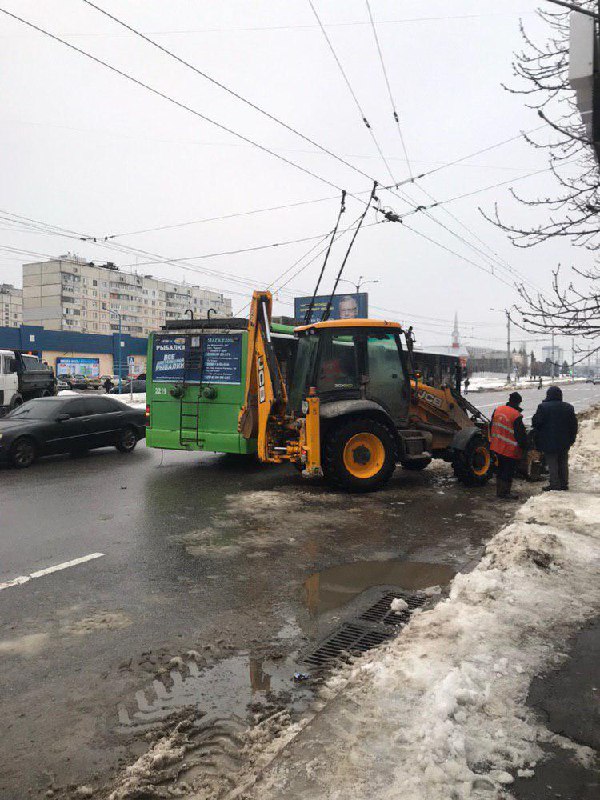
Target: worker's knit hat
515	399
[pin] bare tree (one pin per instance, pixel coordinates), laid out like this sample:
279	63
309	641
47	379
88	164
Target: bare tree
573	212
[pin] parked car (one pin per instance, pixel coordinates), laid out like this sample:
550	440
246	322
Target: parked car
75	381
93	382
138	386
61	384
68	424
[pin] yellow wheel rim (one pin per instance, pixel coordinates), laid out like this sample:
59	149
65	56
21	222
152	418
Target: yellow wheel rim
481	461
364	455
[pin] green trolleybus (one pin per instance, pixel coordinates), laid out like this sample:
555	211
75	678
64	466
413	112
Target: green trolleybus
195	382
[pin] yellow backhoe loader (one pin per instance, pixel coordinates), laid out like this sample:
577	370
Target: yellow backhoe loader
355	407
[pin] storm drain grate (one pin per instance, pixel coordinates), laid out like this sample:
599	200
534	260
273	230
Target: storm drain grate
381	611
349	638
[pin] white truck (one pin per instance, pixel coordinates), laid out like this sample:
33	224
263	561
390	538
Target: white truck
23	377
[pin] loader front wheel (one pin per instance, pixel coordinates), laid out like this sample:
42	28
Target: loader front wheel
359	455
473	465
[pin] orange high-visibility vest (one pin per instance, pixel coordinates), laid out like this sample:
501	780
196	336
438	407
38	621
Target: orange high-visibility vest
502	434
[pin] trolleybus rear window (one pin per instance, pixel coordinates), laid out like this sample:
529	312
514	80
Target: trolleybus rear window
214	358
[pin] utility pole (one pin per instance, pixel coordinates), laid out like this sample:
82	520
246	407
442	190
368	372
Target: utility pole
553	355
572	360
508	356
120	368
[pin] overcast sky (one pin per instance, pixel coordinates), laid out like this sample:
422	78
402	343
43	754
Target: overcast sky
84	149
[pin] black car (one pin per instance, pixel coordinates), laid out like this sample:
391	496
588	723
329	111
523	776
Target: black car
50	425
139	386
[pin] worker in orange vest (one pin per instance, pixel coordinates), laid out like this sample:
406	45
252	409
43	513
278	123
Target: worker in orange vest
508	440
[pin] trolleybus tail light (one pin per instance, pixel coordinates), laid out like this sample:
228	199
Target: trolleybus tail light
147	415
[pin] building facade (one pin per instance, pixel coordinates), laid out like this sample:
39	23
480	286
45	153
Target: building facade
72	294
556	354
11	306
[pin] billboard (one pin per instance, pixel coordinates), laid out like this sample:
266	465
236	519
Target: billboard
343	306
90	367
182	358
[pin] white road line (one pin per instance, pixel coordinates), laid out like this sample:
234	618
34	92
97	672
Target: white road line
21	579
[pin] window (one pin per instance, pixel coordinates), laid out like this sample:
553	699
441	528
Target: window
338	368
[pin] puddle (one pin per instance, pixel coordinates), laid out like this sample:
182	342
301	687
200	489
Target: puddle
334	587
229	688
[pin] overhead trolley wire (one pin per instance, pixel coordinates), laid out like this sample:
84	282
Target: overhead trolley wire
389	88
170	99
232	92
351	90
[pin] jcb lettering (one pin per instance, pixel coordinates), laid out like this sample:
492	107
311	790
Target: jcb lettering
261	380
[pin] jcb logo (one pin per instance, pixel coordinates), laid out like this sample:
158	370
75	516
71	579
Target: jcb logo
430	398
261	380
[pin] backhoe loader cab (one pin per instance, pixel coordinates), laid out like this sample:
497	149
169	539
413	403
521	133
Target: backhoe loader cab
358	370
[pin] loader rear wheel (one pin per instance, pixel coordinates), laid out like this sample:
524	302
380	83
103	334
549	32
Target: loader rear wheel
473	465
359	455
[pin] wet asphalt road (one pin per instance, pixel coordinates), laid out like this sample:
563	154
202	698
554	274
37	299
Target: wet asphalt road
246	565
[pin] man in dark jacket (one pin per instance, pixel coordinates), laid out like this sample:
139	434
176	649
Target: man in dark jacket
508	440
555	426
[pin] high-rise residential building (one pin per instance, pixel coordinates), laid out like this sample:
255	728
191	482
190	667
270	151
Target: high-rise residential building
71	294
556	354
11	306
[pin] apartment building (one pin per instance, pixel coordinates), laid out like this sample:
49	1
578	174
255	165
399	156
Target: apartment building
72	294
11	306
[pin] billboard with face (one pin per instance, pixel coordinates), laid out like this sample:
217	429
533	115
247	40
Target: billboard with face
343	306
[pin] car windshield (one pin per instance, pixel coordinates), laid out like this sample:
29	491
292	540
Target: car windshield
45	408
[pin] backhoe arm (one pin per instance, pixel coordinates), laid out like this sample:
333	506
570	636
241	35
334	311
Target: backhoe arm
265	396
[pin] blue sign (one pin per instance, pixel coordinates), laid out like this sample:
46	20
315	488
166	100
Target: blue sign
214	358
222	359
343	306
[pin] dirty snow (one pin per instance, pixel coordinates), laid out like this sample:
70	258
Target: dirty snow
398	605
441	711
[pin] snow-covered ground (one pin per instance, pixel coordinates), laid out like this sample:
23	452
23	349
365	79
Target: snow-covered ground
486	381
441	711
137	400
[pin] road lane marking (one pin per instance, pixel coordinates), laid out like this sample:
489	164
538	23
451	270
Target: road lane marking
21	579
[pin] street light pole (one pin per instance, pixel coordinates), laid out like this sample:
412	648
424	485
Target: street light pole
120	368
508	358
553	355
359	283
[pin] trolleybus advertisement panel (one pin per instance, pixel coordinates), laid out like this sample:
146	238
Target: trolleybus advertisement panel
178	358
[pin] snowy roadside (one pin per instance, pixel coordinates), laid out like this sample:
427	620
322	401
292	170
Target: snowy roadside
137	400
441	711
489	382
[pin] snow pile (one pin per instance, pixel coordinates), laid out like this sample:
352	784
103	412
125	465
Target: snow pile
137	400
66	392
441	711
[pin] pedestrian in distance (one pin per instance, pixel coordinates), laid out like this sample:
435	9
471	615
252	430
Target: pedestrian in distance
508	440
467	384
555	429
108	385
540	382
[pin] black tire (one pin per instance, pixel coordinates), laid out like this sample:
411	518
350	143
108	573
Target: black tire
46	393
23	453
416	466
16	402
127	440
338	456
473	466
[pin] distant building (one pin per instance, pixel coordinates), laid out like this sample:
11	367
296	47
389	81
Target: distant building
557	356
71	294
11	306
